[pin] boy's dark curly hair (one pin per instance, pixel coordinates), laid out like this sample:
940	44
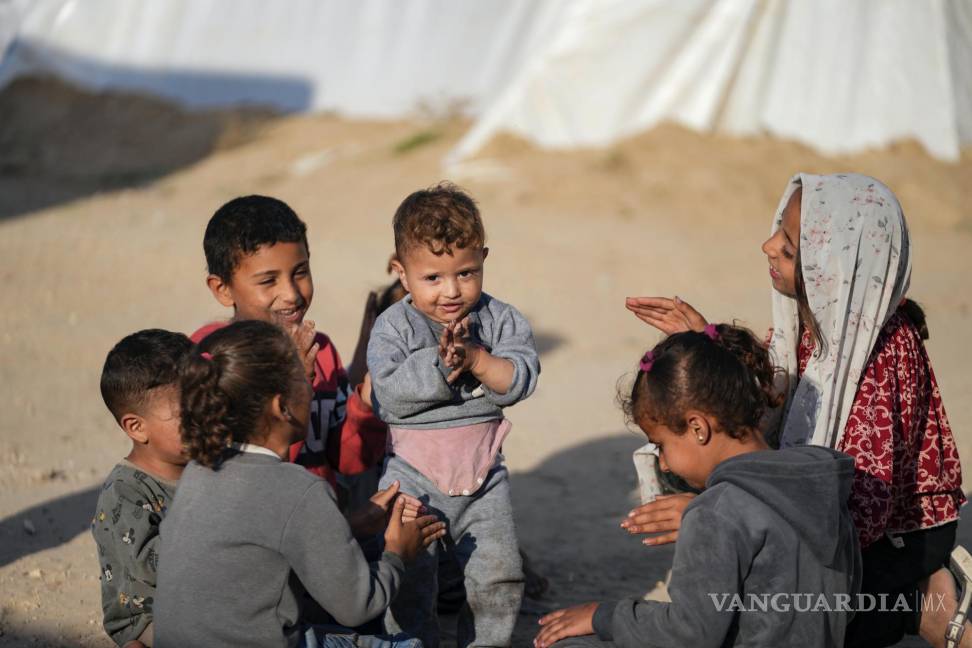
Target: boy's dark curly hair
730	378
242	225
139	363
227	382
440	218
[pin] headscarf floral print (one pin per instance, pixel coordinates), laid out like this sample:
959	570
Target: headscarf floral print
855	256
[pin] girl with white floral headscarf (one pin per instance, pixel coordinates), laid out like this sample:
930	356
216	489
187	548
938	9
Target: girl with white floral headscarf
857	379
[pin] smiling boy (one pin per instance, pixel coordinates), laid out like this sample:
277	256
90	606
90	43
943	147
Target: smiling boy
259	265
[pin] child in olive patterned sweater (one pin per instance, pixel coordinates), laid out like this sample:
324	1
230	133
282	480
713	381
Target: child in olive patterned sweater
139	384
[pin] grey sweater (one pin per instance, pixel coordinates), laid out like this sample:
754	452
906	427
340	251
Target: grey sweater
409	387
772	522
242	547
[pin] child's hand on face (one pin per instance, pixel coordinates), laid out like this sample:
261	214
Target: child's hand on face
406	539
458	352
663	516
304	336
572	622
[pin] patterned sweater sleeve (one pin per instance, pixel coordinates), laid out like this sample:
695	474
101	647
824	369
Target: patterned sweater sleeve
356	438
875	430
345	436
126	531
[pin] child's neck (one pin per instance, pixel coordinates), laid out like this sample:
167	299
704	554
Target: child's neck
277	437
153	465
753	441
279	447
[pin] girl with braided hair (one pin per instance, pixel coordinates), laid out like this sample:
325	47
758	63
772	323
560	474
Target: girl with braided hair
250	538
769	532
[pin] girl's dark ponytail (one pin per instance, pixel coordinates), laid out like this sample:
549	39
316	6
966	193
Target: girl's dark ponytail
755	356
227	383
915	313
205	407
725	371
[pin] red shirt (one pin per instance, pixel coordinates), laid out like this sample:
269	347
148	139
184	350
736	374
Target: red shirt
908	475
344	435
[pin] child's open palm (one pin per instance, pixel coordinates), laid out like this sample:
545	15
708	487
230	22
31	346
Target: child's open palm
667	315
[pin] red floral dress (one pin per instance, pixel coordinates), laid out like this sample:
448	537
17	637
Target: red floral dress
908	475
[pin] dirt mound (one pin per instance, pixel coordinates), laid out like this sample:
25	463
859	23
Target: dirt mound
58	142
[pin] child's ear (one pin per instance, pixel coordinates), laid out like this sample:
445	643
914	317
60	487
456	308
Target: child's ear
397	267
698	426
134	426
485	253
278	409
221	290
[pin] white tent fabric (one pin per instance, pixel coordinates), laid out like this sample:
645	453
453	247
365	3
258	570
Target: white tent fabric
362	58
839	76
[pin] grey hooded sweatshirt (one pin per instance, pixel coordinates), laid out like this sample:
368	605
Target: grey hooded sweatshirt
768	523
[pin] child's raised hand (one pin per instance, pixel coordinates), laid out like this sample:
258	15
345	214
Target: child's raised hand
445	343
667	315
460	328
572	622
462	353
663	516
407	539
304	336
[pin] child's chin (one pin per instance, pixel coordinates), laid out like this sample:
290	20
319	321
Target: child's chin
779	287
280	320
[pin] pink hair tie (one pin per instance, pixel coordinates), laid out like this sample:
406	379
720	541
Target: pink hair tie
647	361
711	331
206	355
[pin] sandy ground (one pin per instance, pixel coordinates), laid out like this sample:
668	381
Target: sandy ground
103	202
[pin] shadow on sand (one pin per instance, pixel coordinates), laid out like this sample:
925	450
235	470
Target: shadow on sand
46	525
577	499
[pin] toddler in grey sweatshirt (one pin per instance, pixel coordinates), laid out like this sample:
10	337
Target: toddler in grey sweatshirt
444	362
